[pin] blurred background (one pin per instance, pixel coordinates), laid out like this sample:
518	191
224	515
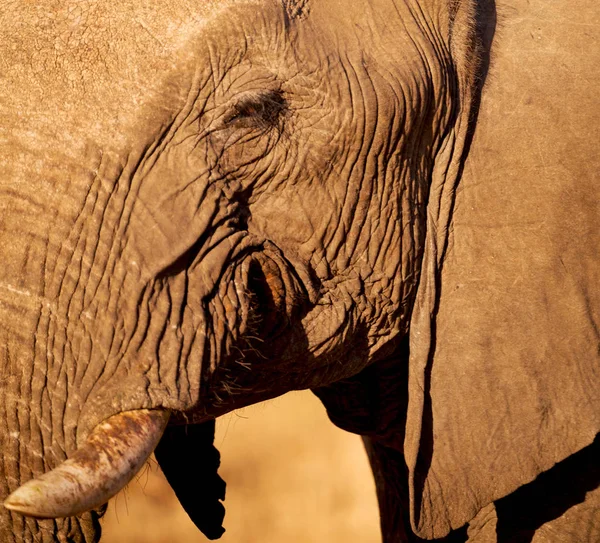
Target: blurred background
292	477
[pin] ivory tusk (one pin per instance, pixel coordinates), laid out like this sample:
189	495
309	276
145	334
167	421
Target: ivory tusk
111	455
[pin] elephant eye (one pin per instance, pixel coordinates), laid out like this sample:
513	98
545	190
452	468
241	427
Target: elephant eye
257	109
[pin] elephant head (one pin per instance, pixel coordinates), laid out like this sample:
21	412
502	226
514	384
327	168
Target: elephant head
209	204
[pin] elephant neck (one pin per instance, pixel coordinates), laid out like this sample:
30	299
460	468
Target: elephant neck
373	402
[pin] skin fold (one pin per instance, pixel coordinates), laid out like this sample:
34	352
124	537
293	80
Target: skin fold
204	205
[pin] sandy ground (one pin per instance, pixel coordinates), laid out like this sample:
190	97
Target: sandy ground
292	477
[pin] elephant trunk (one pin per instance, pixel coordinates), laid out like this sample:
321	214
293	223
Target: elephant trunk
112	454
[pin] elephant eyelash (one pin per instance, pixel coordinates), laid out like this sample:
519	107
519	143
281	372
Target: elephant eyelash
263	110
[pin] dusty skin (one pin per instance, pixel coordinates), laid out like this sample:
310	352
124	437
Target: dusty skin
205	205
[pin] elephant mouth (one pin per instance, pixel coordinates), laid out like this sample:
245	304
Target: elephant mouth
117	448
113	453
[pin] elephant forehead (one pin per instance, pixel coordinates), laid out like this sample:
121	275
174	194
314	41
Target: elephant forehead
63	32
70	59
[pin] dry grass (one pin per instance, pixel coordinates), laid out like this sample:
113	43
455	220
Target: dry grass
292	477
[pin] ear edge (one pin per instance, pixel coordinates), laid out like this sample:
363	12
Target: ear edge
464	45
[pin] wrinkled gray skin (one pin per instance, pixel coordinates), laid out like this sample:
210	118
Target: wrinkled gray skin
204	205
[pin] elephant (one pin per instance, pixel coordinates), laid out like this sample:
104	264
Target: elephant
393	203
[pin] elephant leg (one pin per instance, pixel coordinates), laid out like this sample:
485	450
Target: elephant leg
580	524
390	472
482	529
391	478
561	505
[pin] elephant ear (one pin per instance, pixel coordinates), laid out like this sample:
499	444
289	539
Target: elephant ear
504	378
189	460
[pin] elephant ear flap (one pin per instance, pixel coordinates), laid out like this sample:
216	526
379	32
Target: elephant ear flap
504	344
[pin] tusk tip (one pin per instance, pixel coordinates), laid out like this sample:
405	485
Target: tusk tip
113	453
23	501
